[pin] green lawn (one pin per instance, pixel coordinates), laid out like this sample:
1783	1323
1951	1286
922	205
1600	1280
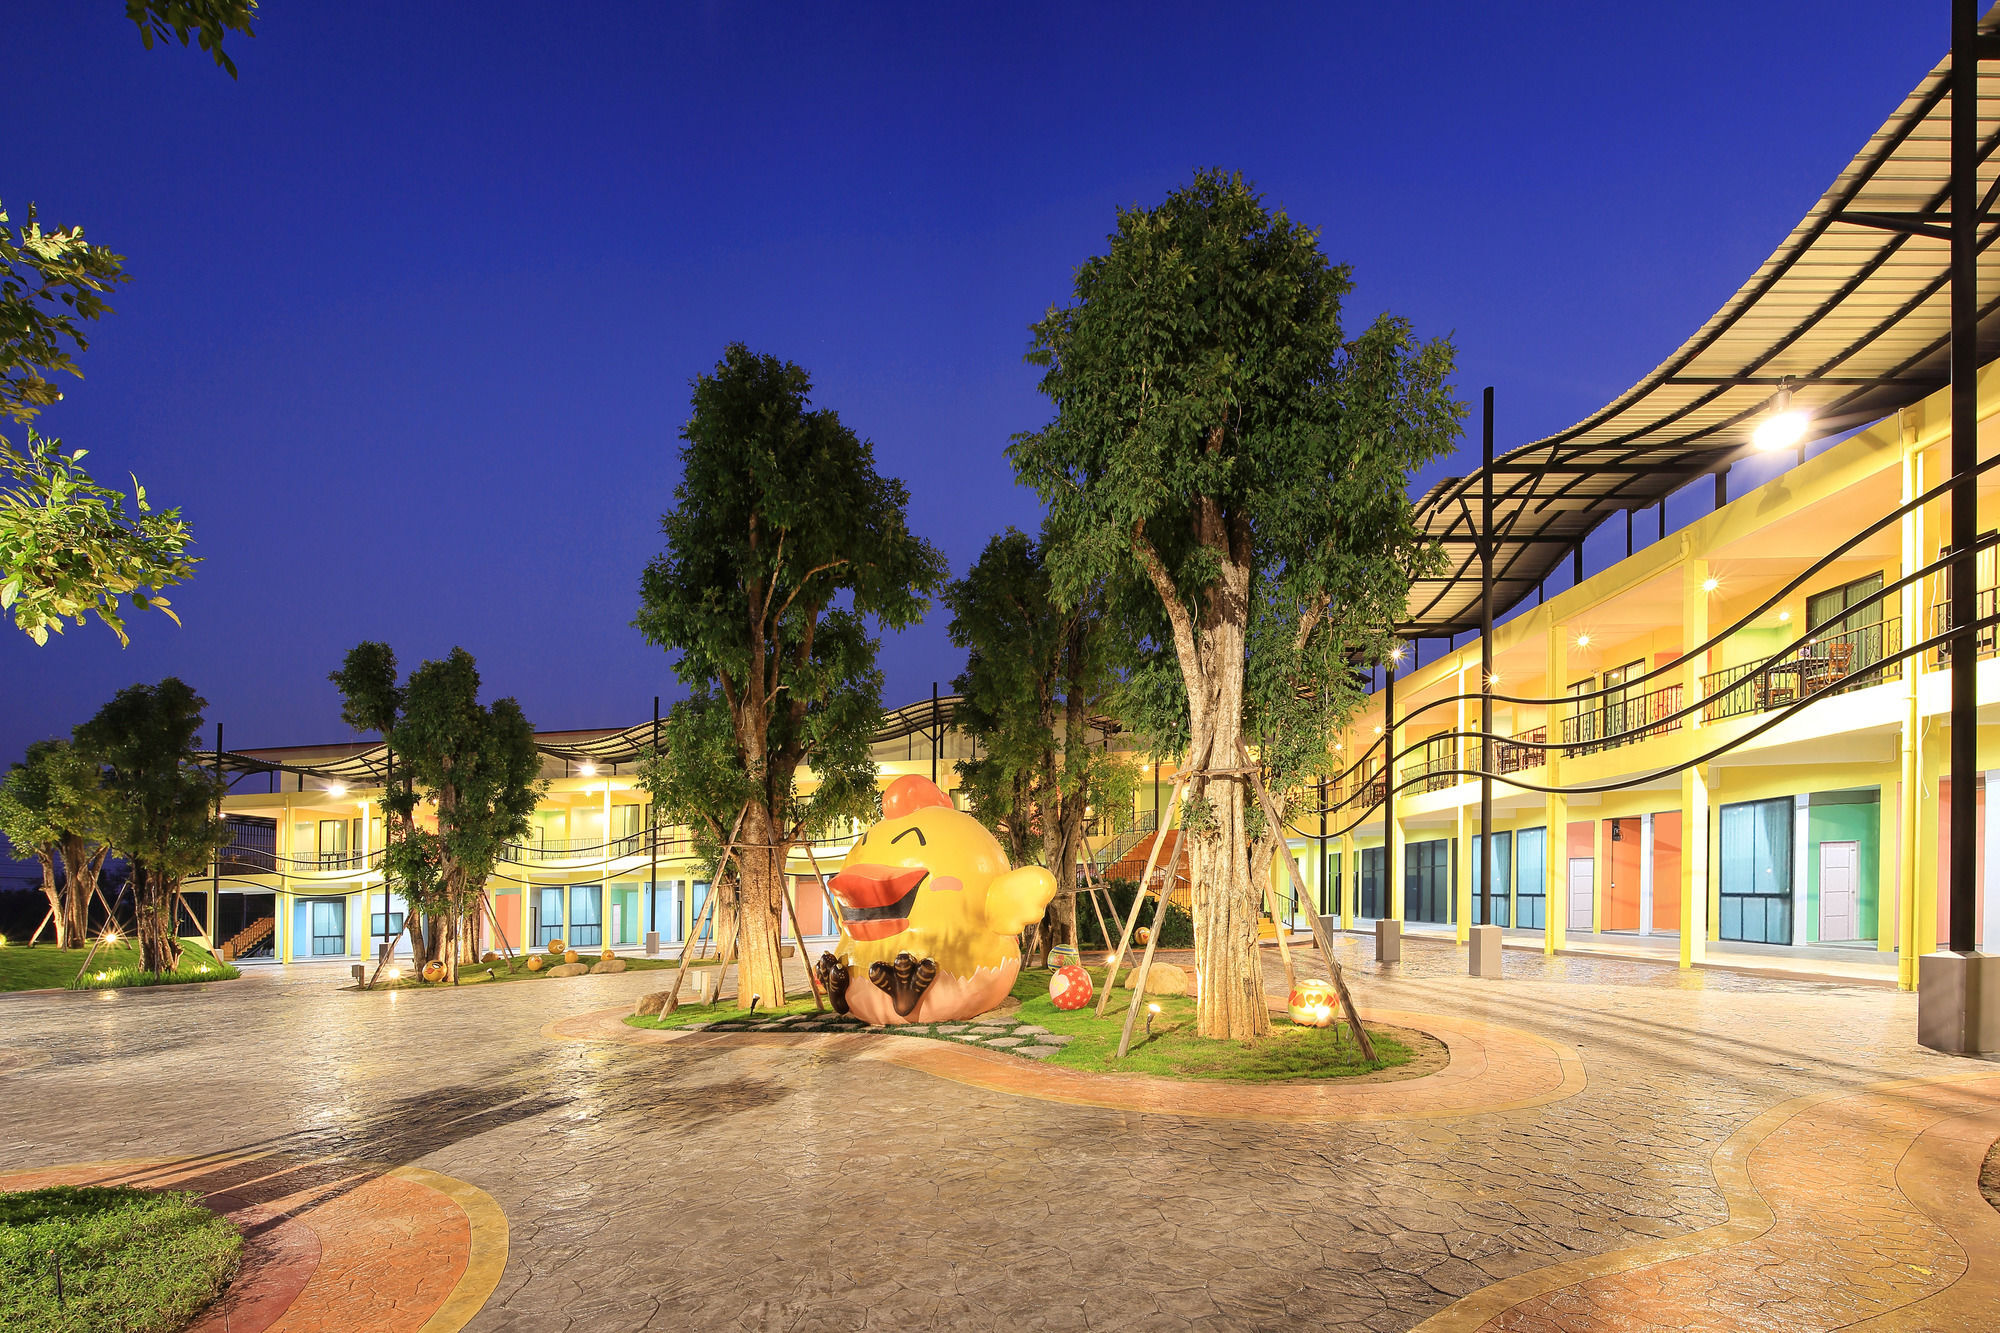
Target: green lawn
497	971
116	965
132	1261
1173	1051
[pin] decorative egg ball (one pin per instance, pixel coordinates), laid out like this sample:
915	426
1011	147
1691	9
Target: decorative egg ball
1143	936
1312	1003
558	947
489	957
1062	956
607	955
571	956
1069	988
534	962
433	970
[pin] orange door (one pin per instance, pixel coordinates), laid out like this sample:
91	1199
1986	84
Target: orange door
1666	871
1621	888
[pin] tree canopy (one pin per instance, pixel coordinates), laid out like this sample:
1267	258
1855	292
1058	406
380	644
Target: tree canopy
783	544
159	801
1036	673
52	808
1235	468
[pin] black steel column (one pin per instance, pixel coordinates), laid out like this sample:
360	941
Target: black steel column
1964	458
215	873
1392	877
1486	665
937	733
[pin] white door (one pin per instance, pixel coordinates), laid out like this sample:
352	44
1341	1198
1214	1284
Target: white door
1582	877
1839	891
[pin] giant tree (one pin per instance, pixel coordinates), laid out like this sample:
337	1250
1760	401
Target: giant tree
159	802
1231	463
1036	672
783	543
475	765
51	807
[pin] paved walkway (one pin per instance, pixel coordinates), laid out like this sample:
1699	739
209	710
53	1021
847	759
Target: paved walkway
1616	1145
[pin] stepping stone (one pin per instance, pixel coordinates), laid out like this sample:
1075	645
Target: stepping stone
807	1027
990	1032
1029	1030
1051	1040
1037	1052
696	1027
1004	1041
967	1038
951	1027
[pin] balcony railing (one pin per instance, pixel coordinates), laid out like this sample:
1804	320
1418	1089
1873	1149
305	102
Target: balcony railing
573	849
1433	772
1512	756
1829	664
1984	603
1619	721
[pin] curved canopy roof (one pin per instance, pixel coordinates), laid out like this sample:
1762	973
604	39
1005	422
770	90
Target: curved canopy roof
1852	312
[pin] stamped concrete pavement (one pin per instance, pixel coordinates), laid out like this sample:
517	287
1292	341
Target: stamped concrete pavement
772	1183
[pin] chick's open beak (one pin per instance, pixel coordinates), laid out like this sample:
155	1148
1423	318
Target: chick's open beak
876	900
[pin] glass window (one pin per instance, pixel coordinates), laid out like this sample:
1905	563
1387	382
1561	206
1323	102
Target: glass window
329	927
1369	883
548	916
1756	890
1427	881
1531	881
1503	878
586	916
383	930
1330	894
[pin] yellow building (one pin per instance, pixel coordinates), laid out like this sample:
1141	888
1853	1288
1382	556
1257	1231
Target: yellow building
301	879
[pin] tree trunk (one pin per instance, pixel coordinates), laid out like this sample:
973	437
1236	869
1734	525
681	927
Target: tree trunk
153	911
65	934
1226	902
760	910
80	868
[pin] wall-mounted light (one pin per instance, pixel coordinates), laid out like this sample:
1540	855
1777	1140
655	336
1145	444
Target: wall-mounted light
1583	641
1396	654
588	770
1784	617
1709	585
1783	426
337	789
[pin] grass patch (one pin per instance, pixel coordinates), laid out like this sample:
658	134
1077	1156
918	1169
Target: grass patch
482	973
45	968
1289	1053
132	1261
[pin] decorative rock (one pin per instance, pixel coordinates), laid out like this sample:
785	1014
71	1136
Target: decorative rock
569	970
652	1002
608	965
1163	979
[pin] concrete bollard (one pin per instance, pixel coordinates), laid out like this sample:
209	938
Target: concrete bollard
652	944
1388	941
1485	951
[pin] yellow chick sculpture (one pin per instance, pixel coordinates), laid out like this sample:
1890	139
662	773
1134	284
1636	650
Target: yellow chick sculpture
931	914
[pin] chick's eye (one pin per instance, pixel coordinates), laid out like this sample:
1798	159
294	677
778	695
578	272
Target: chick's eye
922	841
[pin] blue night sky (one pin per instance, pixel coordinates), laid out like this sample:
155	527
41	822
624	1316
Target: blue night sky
417	298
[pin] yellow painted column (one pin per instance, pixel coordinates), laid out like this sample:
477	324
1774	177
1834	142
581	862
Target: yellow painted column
1394	857
1555	807
1600	870
1694	865
1930	768
1468	825
1908	806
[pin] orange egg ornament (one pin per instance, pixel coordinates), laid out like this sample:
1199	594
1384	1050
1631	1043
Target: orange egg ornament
433	971
558	948
1313	1003
1069	988
534	962
572	956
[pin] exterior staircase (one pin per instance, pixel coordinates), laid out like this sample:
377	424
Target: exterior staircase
247	938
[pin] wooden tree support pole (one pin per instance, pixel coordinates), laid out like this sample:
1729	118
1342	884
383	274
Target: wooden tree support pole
382	958
1090	879
1333	972
707	911
1132	920
832	903
1144	973
32	939
819	1005
1277	926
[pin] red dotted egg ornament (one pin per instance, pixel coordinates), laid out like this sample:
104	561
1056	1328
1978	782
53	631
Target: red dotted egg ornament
1069	988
